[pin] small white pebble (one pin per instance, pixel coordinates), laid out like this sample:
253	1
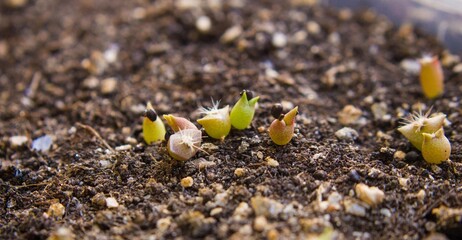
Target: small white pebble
231	34
354	208
239	172
17	141
271	162
279	40
108	85
373	196
385	212
111	202
123	147
56	210
203	24
346	133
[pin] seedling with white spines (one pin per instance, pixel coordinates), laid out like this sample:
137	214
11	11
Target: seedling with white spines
436	148
419	123
244	110
216	121
431	77
282	128
153	127
184	144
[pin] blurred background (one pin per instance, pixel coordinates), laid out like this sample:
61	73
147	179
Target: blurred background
442	18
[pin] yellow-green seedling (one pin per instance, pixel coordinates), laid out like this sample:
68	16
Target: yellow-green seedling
216	121
244	110
184	144
153	127
436	148
419	123
431	77
179	123
282	128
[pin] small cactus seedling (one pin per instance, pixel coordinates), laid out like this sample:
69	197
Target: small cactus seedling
282	128
153	127
186	141
436	148
431	77
179	123
184	144
216	122
244	110
420	123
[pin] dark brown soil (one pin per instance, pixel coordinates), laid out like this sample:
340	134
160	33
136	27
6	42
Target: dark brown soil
52	75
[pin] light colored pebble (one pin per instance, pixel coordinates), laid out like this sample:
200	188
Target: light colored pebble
242	211
263	206
380	111
354	208
91	82
111	202
187	182
279	40
385	212
411	66
373	196
216	211
203	24
231	34
421	195
403	182
399	155
123	147
260	223
239	172
42	143
271	162
347	133
108	85
56	210
349	115
17	141
163	223
313	27
62	233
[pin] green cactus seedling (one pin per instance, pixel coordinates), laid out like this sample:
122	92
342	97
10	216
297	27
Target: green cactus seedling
244	110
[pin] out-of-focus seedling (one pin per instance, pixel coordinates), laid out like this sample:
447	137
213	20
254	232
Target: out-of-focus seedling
427	135
153	127
419	123
282	128
216	122
431	77
244	110
187	139
436	148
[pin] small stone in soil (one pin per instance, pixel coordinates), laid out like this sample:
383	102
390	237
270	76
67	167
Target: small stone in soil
187	182
17	141
42	143
111	202
347	133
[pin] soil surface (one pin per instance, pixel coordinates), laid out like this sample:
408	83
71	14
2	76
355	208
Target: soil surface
82	72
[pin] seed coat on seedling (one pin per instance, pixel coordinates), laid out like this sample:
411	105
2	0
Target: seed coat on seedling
244	110
153	127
